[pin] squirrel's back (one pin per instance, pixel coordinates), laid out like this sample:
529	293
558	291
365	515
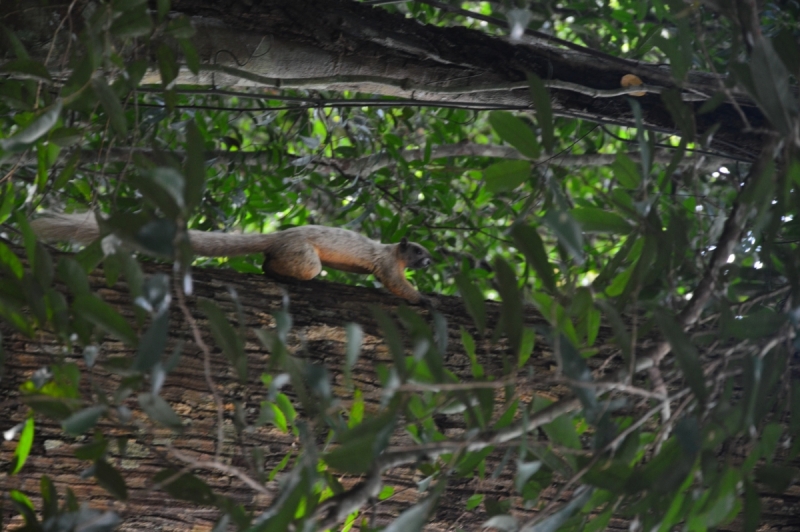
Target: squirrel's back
82	228
298	252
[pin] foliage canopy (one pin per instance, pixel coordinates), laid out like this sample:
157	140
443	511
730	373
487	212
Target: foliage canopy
664	262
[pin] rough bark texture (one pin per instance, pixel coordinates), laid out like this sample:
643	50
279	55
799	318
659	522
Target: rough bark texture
359	39
319	311
392	55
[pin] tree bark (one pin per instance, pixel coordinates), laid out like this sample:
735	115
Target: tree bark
345	45
320	311
437	64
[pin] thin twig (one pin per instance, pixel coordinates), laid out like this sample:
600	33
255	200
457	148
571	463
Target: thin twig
198	340
409	86
223	468
612	445
617	387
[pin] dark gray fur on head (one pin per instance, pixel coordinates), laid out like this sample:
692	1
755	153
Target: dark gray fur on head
414	255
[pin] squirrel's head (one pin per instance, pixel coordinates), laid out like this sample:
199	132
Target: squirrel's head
414	255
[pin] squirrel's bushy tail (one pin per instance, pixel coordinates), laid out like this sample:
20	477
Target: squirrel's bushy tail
215	244
80	228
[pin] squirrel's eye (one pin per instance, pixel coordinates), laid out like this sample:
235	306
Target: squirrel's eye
417	251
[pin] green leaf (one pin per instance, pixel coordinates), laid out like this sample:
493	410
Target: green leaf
24	445
190	55
562	432
474	501
506	175
49	498
794	407
15	44
645	147
22	139
91	451
763	322
104	316
592	325
355	336
180	28
125	6
609	474
526	346
81	421
544	110
596	220
354	457
110	479
501	522
8	203
73	275
621	335
516	132
111	104
25	507
68	172
567	231
43	266
284	404
685	352
787	48
135	24
681	113
414	518
226	337
27	69
529	242
678	49
626	172
164	186
525	470
511	311
195	167
473	300
552	523
163	9
272	414
11	261
469	346
361	444
576	369
777	477
152	344
718	508
159	410
392	337
166	64
773	89
752	507
186	487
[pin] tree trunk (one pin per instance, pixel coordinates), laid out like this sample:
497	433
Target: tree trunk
330	38
320	311
345	45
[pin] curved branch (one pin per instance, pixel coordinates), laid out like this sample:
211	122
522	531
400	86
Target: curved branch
370	164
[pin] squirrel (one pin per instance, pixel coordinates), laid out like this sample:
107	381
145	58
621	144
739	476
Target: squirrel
297	253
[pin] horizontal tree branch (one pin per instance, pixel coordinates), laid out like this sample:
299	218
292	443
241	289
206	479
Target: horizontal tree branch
370	164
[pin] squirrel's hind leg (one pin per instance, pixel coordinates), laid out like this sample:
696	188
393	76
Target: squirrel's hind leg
300	262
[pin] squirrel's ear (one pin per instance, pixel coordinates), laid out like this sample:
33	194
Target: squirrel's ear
403	243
